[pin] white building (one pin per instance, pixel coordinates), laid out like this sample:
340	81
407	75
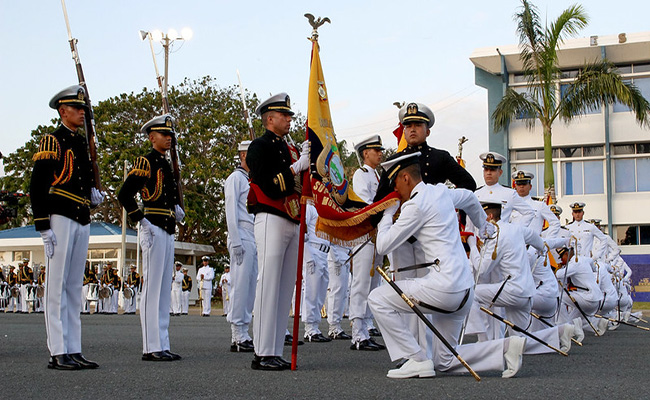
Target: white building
105	245
602	158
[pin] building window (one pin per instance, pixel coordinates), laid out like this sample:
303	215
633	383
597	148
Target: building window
590	110
643	84
582	177
630	235
19	255
631	171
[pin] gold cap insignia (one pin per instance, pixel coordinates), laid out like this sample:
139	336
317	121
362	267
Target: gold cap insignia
412	109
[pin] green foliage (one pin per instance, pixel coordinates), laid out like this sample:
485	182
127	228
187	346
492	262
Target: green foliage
209	123
597	83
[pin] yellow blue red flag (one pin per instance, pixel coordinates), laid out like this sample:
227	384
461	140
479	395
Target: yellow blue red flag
343	217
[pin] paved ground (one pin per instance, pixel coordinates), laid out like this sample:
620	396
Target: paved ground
614	366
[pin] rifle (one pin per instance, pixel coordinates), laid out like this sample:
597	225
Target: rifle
89	118
251	132
165	103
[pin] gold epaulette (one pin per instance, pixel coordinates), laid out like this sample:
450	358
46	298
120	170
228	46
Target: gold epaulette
48	149
141	167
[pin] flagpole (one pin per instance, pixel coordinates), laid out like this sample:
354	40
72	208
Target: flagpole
315	23
301	253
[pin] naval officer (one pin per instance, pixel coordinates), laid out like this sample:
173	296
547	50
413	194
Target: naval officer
274	200
243	254
62	191
152	176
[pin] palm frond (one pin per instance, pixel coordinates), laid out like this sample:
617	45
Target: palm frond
599	83
568	24
531	34
512	105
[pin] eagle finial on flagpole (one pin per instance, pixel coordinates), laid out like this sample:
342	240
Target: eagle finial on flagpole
315	24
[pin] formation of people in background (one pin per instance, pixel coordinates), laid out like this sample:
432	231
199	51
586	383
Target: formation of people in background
489	261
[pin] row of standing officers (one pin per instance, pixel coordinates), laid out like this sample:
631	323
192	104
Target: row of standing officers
262	212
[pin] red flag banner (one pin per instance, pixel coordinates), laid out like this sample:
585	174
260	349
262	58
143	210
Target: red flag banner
343	218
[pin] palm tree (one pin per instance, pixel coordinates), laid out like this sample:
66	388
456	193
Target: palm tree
596	84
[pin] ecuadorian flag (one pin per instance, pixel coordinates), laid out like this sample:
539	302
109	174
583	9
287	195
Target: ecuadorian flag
343	217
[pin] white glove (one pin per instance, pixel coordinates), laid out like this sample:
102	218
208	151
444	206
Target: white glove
146	234
303	162
487	230
49	241
238	253
180	214
306	145
471	241
96	197
390	211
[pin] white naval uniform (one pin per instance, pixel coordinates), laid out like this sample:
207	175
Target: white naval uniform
224	282
241	232
177	282
206	291
510	201
604	280
429	216
316	274
339	276
511	262
542	213
364	278
547	291
585	232
588	296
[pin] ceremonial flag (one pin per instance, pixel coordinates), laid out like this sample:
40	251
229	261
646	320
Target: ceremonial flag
401	140
343	217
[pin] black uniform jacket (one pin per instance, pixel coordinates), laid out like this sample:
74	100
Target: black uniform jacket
269	161
436	166
187	283
61	179
152	176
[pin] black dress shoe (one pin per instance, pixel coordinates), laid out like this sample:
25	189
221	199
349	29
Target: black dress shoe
81	360
157	356
242	347
340	336
63	362
174	356
286	364
288	341
269	363
319	338
381	346
365	345
374	332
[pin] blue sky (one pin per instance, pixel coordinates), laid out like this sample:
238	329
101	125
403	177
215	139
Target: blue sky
373	53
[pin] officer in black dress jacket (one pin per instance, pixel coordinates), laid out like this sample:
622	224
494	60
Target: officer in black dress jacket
62	191
436	165
274	200
152	176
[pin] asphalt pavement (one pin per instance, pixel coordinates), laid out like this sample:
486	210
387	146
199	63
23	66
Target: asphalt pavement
614	366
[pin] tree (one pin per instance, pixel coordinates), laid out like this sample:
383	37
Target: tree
596	84
209	125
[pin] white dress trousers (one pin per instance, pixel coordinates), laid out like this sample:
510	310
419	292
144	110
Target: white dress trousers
339	276
157	269
63	283
277	257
